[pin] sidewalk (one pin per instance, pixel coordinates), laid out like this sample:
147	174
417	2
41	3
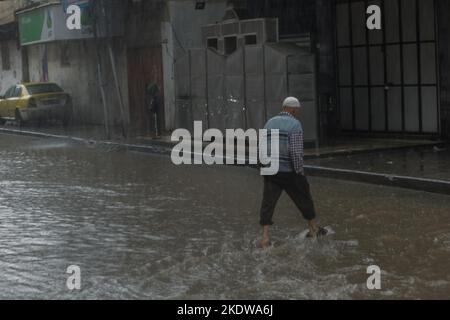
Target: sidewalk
342	147
430	162
414	164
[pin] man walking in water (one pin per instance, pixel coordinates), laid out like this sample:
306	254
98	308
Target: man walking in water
291	176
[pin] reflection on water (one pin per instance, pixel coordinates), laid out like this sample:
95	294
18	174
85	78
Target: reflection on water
140	227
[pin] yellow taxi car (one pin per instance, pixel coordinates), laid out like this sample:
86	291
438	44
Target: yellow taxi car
36	102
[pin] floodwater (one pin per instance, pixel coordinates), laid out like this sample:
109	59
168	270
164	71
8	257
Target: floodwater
141	228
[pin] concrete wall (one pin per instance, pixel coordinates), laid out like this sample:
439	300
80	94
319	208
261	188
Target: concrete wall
7	9
143	26
187	21
79	77
181	30
295	17
168	49
175	26
14	74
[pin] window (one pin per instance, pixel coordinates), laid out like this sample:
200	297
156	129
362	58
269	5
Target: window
200	5
43	88
387	80
10	92
6	63
230	45
17	92
213	43
251	39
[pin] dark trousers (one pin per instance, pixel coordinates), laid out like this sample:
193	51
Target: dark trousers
296	186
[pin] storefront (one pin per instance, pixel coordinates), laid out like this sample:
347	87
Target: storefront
388	78
72	58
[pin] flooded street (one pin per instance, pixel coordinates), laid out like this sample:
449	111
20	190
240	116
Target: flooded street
142	228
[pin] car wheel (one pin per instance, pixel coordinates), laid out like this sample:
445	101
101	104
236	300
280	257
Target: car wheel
67	119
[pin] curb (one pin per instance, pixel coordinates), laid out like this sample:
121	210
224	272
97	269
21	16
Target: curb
405	182
413	183
156	149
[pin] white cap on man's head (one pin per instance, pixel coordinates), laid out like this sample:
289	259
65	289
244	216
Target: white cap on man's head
292	102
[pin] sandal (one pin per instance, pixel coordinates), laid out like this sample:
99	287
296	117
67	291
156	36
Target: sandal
322	232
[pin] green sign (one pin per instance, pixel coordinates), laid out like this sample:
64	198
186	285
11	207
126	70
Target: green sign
36	26
48	23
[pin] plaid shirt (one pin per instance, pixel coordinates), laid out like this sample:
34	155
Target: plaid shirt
296	148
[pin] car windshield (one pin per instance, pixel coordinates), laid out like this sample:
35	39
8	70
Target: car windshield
43	88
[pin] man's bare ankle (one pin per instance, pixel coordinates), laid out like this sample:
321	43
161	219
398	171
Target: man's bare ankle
265	243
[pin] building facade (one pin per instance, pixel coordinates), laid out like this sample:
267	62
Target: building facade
10	52
79	61
390	82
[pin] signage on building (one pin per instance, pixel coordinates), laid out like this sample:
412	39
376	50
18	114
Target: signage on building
47	23
81	3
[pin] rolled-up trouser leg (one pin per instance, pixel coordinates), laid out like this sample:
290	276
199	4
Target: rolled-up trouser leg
299	191
272	193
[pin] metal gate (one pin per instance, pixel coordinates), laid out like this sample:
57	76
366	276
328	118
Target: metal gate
388	78
245	88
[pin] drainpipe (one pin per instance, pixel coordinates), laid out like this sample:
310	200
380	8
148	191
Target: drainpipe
100	75
119	92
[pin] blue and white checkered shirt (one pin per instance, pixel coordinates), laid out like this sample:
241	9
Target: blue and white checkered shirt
291	142
296	148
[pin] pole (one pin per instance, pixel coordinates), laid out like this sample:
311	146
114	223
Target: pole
99	73
102	92
119	92
156	125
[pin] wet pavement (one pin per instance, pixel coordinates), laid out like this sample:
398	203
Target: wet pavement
142	228
340	146
430	162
